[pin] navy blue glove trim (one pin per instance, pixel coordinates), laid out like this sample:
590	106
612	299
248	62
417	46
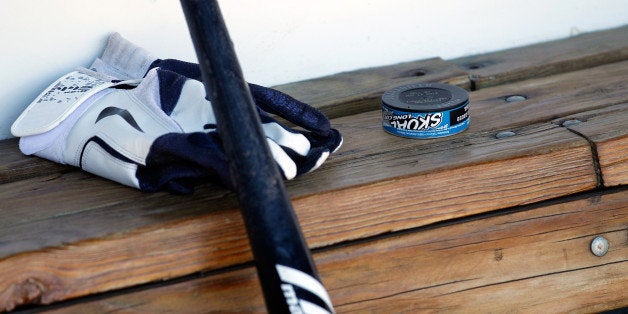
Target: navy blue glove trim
177	161
106	147
187	69
170	86
297	112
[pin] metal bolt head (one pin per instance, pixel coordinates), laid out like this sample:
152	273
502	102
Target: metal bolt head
571	122
505	134
516	98
599	246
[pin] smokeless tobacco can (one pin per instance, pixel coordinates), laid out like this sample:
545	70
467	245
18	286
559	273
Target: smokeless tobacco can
426	110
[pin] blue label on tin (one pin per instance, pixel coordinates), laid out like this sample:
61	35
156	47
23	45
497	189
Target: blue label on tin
425	124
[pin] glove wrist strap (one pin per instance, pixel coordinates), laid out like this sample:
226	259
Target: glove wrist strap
59	100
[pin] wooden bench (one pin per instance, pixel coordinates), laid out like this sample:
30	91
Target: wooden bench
498	218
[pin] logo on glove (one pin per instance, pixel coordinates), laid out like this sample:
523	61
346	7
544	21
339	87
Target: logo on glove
123	113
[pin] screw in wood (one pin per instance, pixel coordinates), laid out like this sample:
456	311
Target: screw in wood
515	98
571	122
599	246
505	134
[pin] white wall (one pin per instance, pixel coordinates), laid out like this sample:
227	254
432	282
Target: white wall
279	41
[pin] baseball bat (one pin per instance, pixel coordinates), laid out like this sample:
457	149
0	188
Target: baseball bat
286	271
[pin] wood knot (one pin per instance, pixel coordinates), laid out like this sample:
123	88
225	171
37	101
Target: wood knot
498	255
28	291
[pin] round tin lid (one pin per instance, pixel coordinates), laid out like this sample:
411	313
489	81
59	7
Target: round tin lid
425	97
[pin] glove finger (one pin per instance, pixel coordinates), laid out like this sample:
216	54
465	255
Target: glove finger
296	141
314	159
297	112
331	143
184	101
321	159
287	166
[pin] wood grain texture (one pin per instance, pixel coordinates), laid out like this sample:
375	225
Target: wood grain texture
607	129
536	260
132	238
15	166
549	58
361	90
551	97
429	183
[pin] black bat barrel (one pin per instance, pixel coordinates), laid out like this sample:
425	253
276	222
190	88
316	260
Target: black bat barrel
287	274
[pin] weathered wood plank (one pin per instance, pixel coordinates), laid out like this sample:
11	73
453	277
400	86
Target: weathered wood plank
421	185
108	227
361	90
570	54
15	166
537	260
125	238
423	182
559	95
607	129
